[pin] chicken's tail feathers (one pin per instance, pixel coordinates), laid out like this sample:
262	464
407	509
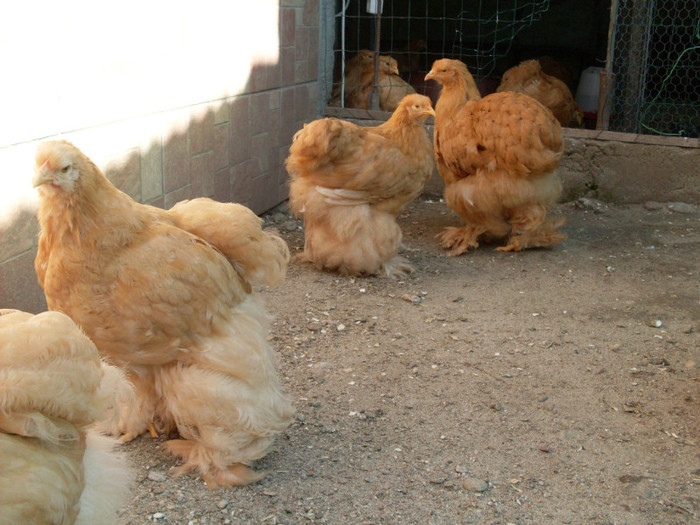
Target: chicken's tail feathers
318	144
260	256
272	259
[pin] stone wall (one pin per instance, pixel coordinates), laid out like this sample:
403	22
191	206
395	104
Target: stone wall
231	148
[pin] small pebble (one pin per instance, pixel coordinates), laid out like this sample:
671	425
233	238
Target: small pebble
158	516
411	298
289	226
475	485
682	207
656	323
157	475
592	204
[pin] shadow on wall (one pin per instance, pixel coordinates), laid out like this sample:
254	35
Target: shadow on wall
231	150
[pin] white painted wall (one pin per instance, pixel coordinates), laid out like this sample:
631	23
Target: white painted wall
114	74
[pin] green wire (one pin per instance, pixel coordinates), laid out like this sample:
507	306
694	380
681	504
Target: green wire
675	64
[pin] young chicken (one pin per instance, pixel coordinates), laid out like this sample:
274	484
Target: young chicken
498	157
350	182
167	296
529	79
54	468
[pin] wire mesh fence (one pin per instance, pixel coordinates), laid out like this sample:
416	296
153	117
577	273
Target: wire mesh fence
647	57
656	62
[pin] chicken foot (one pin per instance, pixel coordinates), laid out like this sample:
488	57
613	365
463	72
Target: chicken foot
130	436
459	240
397	268
540	232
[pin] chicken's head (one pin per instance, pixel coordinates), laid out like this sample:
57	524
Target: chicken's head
58	163
448	71
454	74
388	65
417	107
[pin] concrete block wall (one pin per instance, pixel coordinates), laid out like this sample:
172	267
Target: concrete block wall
230	149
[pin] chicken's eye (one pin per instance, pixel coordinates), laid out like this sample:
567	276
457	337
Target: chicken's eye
65	169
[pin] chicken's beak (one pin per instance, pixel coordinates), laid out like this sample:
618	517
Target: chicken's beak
430	111
42	175
429	75
394	70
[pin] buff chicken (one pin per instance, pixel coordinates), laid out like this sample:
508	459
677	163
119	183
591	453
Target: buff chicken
359	83
167	296
529	78
498	157
55	468
391	88
350	182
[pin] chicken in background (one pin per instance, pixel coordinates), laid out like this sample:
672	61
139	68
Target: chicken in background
390	86
529	79
166	295
353	71
350	182
559	69
54	467
498	157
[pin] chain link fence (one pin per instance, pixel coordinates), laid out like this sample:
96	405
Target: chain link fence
655	60
633	65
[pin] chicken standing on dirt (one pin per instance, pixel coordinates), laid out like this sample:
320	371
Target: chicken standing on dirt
167	296
498	157
54	467
350	183
529	79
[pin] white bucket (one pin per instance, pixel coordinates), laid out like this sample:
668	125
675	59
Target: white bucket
588	89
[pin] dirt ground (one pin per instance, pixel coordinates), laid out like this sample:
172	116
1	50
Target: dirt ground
549	386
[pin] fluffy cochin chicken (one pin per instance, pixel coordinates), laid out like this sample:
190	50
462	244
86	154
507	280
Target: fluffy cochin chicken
391	88
167	296
55	469
354	68
359	83
529	79
498	157
350	182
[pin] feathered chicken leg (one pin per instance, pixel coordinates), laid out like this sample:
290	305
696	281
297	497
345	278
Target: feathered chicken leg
531	229
397	268
459	240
